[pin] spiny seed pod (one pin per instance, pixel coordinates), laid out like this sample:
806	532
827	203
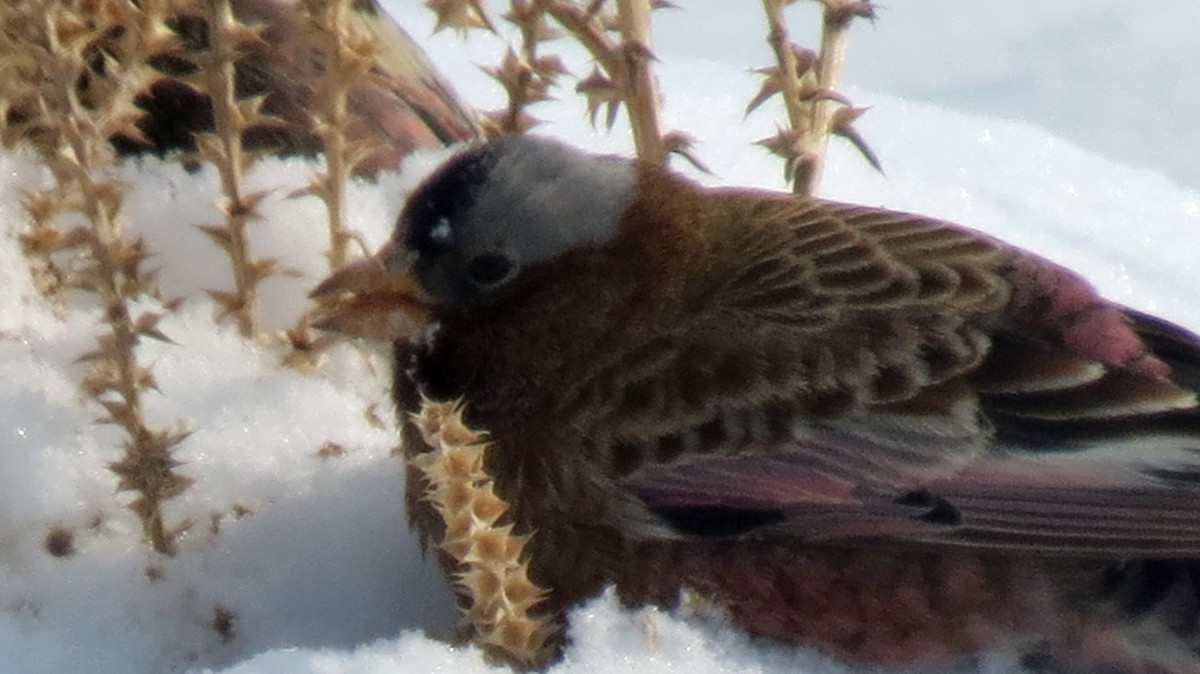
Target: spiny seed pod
495	574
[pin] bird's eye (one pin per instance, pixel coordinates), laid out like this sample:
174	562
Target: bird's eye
490	269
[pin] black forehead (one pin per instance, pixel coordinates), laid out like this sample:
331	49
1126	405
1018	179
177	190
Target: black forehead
448	191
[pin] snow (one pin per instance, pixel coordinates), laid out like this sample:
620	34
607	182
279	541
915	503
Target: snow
1002	116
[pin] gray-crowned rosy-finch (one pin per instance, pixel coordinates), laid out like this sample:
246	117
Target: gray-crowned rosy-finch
894	438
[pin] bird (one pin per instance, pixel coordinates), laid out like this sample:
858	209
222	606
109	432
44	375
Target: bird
403	104
892	438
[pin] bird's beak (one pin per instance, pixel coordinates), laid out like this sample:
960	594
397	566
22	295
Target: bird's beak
376	297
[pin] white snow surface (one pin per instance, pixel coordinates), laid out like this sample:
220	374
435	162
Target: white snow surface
313	555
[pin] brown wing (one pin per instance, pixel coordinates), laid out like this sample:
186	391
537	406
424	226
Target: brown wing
863	374
400	105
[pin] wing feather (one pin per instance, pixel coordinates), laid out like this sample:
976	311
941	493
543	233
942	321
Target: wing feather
864	374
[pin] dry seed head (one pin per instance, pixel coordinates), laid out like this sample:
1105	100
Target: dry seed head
531	19
600	91
682	144
466	463
488	508
513	73
460	15
488	546
458	546
455	497
495	574
842	124
482	580
518	636
304	346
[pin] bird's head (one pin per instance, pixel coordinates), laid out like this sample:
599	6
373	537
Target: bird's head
473	230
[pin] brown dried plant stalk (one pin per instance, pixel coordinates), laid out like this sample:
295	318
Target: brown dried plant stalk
620	44
349	55
624	75
808	84
641	87
526	76
23	51
348	52
80	81
216	76
495	575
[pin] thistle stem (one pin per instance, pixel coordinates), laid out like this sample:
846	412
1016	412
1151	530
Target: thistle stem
835	31
805	171
228	131
641	90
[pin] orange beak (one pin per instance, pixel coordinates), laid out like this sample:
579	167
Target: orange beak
376	298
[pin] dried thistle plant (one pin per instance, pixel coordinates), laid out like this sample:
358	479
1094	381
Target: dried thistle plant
75	68
807	82
349	54
637	79
460	15
619	42
223	148
495	574
36	90
527	77
23	48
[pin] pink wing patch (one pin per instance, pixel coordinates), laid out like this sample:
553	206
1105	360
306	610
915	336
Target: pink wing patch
1049	296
